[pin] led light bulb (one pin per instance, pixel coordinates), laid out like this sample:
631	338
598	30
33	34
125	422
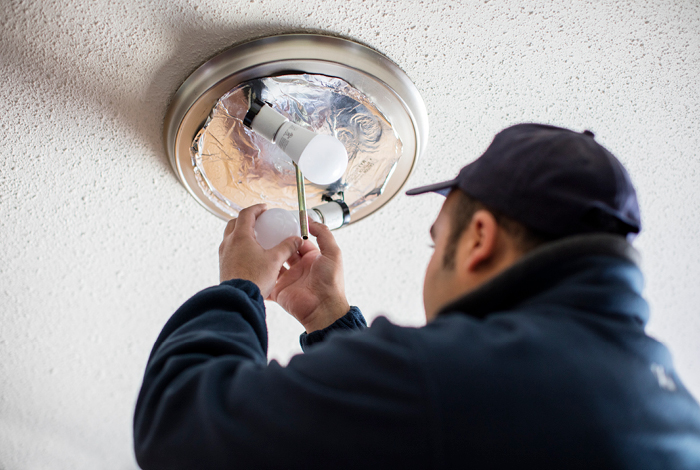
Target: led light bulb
275	225
321	158
324	160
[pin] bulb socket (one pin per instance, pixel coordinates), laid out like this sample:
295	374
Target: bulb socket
253	111
332	214
264	120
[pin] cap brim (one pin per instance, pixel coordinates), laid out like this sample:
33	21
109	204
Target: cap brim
441	188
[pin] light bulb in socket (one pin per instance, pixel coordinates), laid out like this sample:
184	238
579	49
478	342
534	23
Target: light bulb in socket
321	158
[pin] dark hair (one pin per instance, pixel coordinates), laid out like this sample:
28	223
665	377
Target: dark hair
463	211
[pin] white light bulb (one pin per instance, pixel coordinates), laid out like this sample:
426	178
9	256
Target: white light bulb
275	225
321	158
324	160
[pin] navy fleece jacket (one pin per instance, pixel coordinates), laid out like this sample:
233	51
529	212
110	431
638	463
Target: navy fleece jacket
545	366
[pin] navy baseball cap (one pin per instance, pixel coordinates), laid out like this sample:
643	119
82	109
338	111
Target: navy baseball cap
552	180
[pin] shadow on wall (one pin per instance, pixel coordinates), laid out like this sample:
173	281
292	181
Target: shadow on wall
67	84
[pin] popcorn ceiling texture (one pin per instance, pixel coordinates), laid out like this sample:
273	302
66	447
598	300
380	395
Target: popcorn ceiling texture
101	243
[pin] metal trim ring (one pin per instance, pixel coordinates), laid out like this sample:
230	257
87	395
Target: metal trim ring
367	70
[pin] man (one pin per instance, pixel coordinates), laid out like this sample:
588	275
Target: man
534	354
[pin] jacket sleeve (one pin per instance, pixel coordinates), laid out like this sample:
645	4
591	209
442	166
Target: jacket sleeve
351	321
210	400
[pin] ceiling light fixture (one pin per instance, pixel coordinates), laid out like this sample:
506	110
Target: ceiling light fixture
357	105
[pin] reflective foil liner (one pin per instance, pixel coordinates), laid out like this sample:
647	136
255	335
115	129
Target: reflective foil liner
237	168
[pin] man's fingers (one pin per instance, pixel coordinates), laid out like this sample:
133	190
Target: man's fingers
294	259
306	247
281	284
230	227
325	239
285	249
276	289
246	218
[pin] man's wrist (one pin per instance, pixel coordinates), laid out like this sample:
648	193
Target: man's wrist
326	314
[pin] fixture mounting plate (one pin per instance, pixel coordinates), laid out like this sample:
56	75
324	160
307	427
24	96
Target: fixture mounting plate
367	70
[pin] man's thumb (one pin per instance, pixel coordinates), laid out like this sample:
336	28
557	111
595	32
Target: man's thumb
287	248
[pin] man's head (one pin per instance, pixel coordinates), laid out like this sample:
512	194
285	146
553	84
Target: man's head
534	183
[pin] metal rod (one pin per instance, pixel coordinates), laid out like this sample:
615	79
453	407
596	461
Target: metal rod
301	196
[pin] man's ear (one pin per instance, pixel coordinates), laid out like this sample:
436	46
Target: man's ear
476	248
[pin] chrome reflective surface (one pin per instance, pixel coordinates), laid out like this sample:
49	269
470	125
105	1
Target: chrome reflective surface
384	84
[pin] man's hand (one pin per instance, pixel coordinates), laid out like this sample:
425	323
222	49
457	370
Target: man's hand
242	257
312	290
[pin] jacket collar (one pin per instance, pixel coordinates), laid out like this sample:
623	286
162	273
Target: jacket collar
553	265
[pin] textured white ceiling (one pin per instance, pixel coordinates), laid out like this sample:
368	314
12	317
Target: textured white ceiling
101	243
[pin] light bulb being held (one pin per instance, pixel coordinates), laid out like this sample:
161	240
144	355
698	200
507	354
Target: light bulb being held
321	158
275	225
